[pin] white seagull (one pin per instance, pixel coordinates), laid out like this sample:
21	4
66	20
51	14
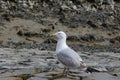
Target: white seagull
67	56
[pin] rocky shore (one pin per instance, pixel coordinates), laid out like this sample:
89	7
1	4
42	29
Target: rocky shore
27	50
33	64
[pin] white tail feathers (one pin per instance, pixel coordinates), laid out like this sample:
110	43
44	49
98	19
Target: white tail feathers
83	66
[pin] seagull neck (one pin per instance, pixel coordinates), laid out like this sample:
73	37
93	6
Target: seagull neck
61	44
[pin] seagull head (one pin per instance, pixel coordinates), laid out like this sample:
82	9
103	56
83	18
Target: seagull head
60	35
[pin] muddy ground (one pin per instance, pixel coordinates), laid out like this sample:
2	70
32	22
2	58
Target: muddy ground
92	26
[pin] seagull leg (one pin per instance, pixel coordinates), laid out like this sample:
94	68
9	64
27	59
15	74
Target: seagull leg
67	71
64	71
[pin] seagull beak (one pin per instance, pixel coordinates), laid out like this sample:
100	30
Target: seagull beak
52	35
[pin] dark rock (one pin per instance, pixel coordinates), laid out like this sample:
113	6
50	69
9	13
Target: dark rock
30	34
73	38
90	69
115	40
6	17
115	75
50	40
110	27
92	37
92	24
20	33
91	1
23	63
45	30
24	76
118	1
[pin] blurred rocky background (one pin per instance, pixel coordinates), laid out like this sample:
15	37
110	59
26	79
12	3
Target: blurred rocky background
94	24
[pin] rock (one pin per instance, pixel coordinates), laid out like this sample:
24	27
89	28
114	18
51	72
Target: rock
10	78
103	76
115	40
92	24
92	37
32	21
37	78
35	64
22	76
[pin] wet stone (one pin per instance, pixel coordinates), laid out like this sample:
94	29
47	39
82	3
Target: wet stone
101	76
34	64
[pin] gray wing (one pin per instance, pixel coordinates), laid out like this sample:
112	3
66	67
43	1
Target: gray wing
69	58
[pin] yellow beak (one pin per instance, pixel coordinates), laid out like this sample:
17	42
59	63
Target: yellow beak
52	35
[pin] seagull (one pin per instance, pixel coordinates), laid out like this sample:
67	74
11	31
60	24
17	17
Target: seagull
67	56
